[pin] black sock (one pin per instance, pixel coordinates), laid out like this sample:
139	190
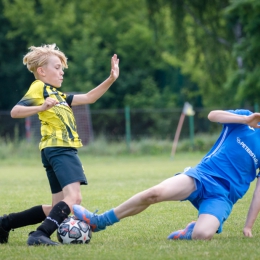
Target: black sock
27	217
58	213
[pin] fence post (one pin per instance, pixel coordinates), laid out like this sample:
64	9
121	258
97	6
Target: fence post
128	127
256	107
191	124
28	128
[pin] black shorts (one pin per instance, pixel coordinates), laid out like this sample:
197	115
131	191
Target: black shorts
63	167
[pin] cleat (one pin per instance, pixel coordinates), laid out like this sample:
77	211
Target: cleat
37	238
4	234
183	233
91	218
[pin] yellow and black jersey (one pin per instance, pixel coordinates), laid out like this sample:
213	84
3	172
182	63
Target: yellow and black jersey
58	125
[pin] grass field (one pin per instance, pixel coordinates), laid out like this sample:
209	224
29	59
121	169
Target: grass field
111	181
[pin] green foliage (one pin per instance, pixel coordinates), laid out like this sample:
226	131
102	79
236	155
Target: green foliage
148	94
12	79
40	21
244	80
175	51
202	47
89	37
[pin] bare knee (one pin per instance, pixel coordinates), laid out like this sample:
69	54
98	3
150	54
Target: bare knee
206	227
150	196
202	234
72	194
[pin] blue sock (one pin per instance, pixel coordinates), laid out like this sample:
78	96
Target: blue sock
108	218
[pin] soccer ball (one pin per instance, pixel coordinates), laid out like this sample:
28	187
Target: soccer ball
74	231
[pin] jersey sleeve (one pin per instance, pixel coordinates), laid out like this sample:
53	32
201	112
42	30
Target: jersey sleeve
69	99
34	96
240	112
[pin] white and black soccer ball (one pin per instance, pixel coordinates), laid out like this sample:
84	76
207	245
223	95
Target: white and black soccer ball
74	231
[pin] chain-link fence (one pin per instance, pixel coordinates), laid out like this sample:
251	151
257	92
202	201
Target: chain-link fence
145	123
111	123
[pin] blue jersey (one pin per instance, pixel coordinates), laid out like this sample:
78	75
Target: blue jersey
235	157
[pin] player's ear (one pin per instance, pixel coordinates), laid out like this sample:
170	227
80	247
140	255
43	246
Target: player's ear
40	71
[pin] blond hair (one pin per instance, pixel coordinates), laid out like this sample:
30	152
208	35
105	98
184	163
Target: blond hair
38	56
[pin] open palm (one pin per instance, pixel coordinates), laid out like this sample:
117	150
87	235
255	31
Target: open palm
114	67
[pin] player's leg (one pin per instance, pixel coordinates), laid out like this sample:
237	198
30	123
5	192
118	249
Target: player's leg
31	216
206	227
175	188
202	229
44	231
212	214
61	209
65	174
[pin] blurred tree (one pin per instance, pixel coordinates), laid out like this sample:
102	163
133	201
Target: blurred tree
176	51
202	43
26	23
11	77
243	79
120	27
40	21
89	37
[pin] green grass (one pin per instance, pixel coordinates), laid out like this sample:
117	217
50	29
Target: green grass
113	179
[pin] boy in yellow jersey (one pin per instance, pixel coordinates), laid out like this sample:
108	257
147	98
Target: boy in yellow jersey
59	140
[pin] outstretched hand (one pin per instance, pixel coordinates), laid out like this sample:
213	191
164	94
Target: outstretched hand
114	67
254	120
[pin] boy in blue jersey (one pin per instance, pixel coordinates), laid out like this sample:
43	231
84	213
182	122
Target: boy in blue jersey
213	186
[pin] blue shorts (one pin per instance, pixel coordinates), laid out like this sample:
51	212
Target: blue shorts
63	167
211	196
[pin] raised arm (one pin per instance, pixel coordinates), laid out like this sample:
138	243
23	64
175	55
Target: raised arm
222	116
253	211
93	95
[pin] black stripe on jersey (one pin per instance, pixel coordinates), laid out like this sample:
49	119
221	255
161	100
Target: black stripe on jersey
69	99
45	92
26	102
